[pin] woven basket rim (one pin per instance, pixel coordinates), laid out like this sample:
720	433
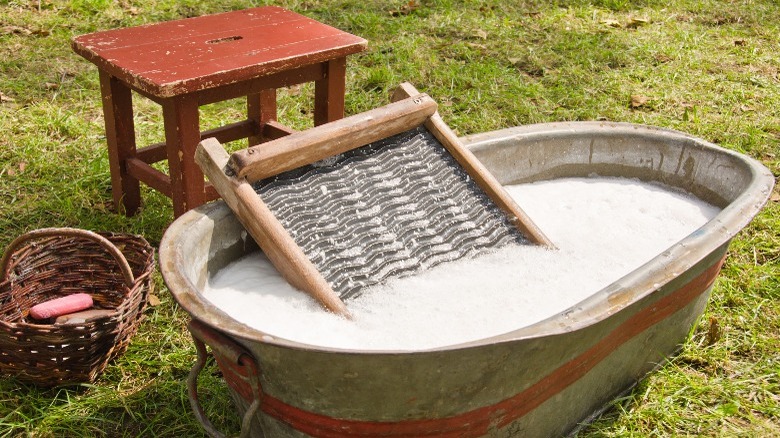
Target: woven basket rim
50	354
34	237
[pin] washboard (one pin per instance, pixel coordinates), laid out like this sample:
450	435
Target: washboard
352	203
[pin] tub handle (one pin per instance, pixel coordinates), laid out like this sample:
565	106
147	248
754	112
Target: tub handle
237	357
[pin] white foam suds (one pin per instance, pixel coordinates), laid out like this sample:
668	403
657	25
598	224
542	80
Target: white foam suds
604	228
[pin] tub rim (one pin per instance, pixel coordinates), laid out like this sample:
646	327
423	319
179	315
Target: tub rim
646	279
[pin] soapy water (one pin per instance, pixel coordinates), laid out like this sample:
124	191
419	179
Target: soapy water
604	228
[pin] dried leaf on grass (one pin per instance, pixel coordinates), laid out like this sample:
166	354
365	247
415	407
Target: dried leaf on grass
638	100
714	331
15	30
635	22
154	300
4	98
479	33
406	9
294	90
128	7
18	30
632	23
11	171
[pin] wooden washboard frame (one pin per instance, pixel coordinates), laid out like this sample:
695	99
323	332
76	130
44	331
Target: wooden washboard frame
233	176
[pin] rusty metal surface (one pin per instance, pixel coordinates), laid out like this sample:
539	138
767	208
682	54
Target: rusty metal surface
540	380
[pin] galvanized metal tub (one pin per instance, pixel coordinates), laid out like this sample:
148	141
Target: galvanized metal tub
541	380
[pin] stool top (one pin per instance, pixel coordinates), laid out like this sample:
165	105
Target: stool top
181	56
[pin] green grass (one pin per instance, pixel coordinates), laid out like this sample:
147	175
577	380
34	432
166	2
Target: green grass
707	67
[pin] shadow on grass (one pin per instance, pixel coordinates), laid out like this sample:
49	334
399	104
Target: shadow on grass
157	405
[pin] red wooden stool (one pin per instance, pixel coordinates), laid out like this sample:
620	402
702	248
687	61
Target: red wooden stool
184	64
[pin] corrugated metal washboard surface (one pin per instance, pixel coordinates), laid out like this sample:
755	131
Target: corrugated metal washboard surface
359	200
388	209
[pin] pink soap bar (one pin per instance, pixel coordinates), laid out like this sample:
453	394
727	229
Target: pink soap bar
61	306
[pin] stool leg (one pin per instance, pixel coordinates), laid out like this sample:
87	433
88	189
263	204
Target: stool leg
261	108
329	92
182	135
120	136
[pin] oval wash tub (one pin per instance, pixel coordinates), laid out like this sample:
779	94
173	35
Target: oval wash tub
540	380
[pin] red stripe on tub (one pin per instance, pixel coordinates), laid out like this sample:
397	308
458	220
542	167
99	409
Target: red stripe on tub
479	422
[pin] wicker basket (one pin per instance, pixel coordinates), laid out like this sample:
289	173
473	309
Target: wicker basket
115	269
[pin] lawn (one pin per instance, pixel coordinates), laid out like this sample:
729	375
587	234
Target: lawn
710	68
